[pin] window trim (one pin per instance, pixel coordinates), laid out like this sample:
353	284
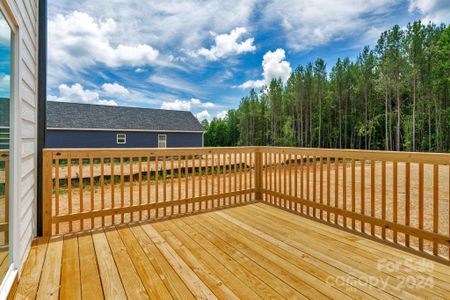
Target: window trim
165	140
124	136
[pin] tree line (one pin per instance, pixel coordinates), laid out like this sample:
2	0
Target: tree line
393	97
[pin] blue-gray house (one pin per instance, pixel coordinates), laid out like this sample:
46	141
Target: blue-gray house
74	125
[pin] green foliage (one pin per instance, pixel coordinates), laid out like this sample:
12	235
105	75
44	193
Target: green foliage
393	97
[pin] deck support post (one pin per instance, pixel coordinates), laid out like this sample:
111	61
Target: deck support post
47	183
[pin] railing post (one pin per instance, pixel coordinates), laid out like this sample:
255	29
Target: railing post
47	178
258	173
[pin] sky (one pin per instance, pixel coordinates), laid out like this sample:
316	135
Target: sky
204	56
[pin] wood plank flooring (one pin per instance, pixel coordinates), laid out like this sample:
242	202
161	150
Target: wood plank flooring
249	252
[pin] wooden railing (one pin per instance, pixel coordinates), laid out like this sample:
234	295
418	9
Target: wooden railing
398	197
88	188
4	197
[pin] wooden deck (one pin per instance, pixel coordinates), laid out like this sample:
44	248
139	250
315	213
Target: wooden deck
248	252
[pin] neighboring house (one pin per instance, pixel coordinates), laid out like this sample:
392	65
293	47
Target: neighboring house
73	125
4	123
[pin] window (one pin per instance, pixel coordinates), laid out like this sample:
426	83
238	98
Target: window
121	138
162	141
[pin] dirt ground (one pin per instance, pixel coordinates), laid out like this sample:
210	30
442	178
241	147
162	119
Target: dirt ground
146	193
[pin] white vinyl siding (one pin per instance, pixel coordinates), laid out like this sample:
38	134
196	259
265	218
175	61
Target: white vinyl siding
22	15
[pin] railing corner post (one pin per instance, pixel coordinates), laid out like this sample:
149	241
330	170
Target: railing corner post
47	178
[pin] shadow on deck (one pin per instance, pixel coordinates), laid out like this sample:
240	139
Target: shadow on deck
248	252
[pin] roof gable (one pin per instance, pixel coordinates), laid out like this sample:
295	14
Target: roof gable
64	115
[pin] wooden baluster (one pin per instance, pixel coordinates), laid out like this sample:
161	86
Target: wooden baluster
245	178
280	186
102	186
383	197
200	175
172	192
251	163
122	188
186	183
363	193
328	187
240	177
140	186
164	185
225	190
69	189
284	180
435	206
213	183
407	199
229	177
372	195
179	183
290	180
207	180
308	195
344	189
336	188
314	184
91	167
321	186
80	183
149	173
302	192
219	182
112	184
296	181
156	186
193	180
271	200
56	192
353	192
448	208
130	180
235	177
420	208
394	197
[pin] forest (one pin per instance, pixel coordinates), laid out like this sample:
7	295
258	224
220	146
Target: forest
392	97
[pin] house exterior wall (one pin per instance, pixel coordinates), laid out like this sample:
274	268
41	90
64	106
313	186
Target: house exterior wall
22	17
107	139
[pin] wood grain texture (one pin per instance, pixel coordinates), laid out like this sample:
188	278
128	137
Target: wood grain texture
248	252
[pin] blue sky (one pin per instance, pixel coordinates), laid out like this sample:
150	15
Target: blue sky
204	56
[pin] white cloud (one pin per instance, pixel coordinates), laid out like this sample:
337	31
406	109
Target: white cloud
5	33
222	114
115	90
76	93
186	104
437	11
227	45
203	115
308	24
76	40
168	24
275	66
4	85
139	70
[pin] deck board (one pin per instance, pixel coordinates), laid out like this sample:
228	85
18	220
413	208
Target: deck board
248	252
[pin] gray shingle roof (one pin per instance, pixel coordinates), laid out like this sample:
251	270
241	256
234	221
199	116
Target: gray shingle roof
88	116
